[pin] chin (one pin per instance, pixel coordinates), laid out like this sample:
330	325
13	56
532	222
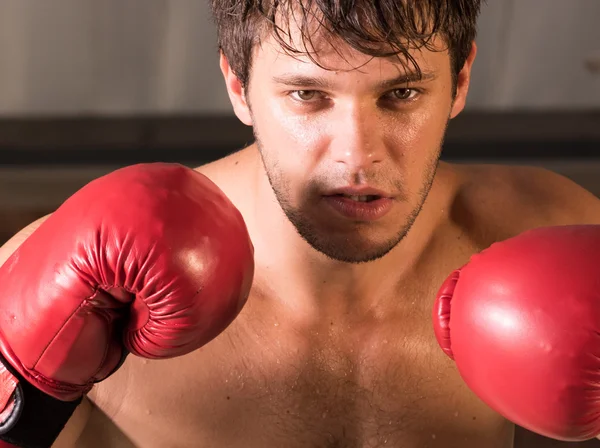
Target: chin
350	253
346	241
359	246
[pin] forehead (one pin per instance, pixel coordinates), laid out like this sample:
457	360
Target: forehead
341	58
310	45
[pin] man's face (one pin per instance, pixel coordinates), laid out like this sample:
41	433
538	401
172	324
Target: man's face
354	128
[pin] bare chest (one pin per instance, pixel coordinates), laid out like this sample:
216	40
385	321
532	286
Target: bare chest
261	384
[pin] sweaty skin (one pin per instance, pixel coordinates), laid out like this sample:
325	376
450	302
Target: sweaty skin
329	353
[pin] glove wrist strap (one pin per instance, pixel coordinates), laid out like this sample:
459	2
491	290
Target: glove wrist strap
29	418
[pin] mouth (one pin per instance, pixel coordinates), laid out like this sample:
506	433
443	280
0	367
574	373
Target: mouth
359	198
359	193
359	208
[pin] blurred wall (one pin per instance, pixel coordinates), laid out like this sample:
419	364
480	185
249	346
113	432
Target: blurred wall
99	57
538	55
103	57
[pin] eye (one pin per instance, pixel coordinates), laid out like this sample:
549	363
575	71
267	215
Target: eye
304	95
403	94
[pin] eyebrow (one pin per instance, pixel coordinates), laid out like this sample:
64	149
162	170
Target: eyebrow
295	80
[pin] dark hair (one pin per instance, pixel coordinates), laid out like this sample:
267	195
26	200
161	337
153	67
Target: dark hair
378	28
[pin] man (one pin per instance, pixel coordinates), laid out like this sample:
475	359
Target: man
355	224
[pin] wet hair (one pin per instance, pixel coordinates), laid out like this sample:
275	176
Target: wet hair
378	28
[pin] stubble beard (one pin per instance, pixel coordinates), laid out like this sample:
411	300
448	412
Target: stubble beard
338	247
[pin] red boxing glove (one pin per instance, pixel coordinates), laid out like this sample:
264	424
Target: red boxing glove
151	259
522	322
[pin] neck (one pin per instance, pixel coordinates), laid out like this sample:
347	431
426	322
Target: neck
308	282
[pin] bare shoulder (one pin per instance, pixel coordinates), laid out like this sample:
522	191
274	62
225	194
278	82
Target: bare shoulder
19	238
232	174
499	201
560	198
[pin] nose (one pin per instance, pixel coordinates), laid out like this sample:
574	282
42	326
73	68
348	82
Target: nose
358	142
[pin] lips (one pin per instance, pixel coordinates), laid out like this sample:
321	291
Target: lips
362	198
358	192
365	208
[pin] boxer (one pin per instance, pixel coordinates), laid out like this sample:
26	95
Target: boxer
355	224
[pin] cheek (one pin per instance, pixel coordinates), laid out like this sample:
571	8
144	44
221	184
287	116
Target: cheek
292	139
417	139
300	131
421	132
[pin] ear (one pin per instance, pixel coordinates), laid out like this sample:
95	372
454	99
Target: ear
462	83
236	92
